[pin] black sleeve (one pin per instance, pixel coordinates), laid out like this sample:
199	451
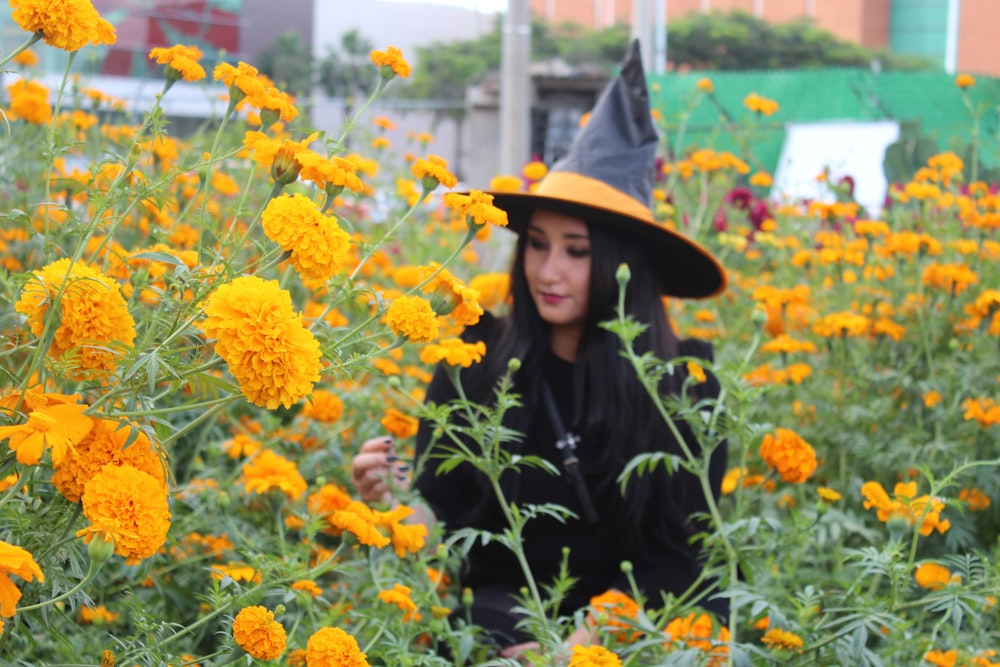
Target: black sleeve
673	570
454	497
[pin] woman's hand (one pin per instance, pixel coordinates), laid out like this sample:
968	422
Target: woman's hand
373	467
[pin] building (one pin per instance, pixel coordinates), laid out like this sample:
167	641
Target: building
957	33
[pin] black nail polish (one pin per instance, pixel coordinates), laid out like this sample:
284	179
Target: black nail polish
388	440
391	458
402	468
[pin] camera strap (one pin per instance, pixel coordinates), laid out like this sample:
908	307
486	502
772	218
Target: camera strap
566	443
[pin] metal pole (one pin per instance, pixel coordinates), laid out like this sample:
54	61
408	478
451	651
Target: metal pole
951	37
642	29
660	39
515	88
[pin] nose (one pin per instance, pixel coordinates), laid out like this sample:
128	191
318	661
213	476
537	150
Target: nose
551	268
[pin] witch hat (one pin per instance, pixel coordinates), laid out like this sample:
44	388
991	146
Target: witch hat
607	178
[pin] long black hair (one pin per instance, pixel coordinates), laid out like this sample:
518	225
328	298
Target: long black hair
611	403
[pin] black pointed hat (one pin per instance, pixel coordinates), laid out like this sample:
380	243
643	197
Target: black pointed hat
607	178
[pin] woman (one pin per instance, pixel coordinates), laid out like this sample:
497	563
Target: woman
590	214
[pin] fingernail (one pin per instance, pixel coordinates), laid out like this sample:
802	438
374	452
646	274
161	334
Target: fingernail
391	458
402	468
388	440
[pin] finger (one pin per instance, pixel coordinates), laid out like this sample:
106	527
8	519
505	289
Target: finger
380	444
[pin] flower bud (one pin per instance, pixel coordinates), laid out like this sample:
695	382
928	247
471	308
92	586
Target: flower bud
285	168
442	551
101	547
626	566
280	609
467	596
514	364
623	274
759	316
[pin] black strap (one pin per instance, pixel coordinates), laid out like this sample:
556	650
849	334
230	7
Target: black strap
566	443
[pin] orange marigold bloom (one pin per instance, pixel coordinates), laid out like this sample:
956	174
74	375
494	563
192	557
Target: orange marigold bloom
29	100
413	318
906	505
257	633
759	104
399	424
272	355
953	278
309	586
696	371
593	656
492	287
128	506
18	562
450	296
793	458
696	631
407	538
975	500
964	81
762	179
57	428
66	24
942	658
932	576
243	80
399	595
99	615
323	406
776	638
359	520
433	171
478	205
332	647
506	183
454	352
705	85
316	243
109	442
26	58
181	62
535	171
269	470
94	322
983	410
391	63
619	609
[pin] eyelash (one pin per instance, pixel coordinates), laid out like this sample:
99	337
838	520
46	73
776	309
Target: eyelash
576	253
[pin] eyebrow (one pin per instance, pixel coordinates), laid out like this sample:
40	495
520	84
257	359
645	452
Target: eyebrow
567	236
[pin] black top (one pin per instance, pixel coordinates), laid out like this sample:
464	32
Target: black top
463	498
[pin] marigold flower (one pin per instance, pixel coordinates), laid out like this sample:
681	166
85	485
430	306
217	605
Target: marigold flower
505	183
906	505
100	615
477	205
776	638
953	278
29	100
391	63
323	406
272	355
307	585
450	296
94	321
593	656
616	610
695	370
964	81
454	352
983	410
318	246
257	633
332	647
762	179
108	442
828	495
433	171
181	62
705	85
274	105
361	521
399	595
942	658
19	562
535	170
399	424
974	499
793	458
26	58
57	428
759	104
65	24
406	538
696	631
269	470
129	506
243	80
932	576
413	318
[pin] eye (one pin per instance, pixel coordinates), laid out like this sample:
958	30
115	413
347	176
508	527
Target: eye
579	252
536	243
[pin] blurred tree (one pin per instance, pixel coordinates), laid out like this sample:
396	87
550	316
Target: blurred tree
289	63
347	72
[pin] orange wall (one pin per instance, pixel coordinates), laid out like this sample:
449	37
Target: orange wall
977	26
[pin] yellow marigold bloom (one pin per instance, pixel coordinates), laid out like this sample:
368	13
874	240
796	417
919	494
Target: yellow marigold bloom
407	538
99	615
492	287
534	171
391	63
329	172
433	171
974	499
274	105
842	324
399	595
383	123
94	321
593	656
332	647
361	521
776	638
793	458
236	572
454	352
942	658
269	470
450	296
128	506
318	246
18	562
243	80
65	24
477	205
953	278
827	495
26	58
906	505
413	318
275	359
932	398
983	410
181	62
786	344
308	586
696	631
57	428
759	104
964	81
108	442
705	85
399	424
615	610
257	633
323	406
29	100
696	371
932	576
762	179
505	183
241	446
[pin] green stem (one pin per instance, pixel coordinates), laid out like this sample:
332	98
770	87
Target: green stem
35	37
92	571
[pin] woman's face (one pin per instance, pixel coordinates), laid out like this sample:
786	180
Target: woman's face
557	269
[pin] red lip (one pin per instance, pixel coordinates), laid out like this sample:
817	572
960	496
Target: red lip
552	298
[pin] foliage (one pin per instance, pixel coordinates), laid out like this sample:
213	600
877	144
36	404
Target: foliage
289	62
